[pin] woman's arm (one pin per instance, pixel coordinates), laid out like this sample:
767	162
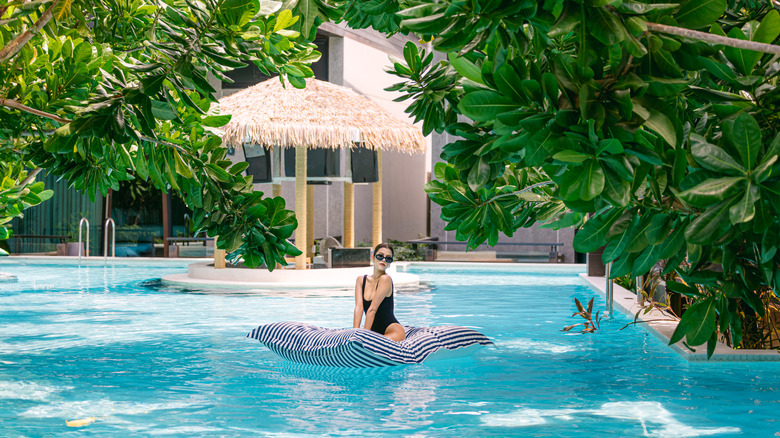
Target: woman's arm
358	304
385	284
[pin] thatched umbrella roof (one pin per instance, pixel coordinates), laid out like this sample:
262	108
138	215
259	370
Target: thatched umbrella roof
323	115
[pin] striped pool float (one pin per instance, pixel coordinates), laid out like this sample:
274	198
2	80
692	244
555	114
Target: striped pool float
361	348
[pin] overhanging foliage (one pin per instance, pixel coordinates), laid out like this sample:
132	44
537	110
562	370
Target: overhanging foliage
602	109
103	91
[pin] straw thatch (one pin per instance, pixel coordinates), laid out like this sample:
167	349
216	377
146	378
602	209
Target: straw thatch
323	115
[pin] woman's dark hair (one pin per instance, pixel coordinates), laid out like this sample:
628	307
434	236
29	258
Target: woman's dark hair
385	245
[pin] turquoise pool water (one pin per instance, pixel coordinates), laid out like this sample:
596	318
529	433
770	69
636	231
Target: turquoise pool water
145	359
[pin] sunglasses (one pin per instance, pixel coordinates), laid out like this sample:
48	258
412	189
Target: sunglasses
388	259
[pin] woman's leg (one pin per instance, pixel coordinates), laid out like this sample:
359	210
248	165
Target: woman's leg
395	332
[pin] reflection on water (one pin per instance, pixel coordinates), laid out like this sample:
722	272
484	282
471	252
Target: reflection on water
652	417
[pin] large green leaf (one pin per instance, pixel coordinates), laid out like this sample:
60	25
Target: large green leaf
646	260
485	105
660	226
656	121
617	245
466	68
745	209
746	136
766	33
713	157
710	225
592	236
479	174
509	83
712	190
639	239
696	14
583	182
238	12
616	190
699	322
740	58
605	27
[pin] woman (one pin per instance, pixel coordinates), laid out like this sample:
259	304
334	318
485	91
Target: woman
374	295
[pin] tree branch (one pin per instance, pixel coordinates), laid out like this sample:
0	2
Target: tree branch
515	193
714	39
31	176
16	45
10	103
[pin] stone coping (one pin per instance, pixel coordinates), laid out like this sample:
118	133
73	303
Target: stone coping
99	260
203	274
528	268
662	325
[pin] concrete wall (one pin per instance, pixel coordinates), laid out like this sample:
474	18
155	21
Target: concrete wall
404	201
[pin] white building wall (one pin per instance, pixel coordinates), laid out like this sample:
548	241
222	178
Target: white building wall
404	202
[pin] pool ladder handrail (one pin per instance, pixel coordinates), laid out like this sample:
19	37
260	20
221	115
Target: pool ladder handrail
86	251
610	284
111	222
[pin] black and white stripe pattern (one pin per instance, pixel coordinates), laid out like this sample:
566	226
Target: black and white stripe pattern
360	348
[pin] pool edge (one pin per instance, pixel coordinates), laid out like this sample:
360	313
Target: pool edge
663	329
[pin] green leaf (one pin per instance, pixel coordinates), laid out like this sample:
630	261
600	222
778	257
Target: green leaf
616	190
217	172
745	209
284	20
663	126
238	12
659	229
509	83
712	157
550	86
605	27
674	243
646	260
465	68
710	225
622	265
746	136
719	70
739	57
711	190
150	85
700	322
479	174
766	33
696	14
592	236
571	157
182	168
485	105
617	247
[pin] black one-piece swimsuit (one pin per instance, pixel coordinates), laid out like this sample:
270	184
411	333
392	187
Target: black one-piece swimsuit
384	314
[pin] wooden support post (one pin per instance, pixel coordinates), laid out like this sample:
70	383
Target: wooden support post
377	234
349	215
166	219
219	256
310	221
300	205
276	190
